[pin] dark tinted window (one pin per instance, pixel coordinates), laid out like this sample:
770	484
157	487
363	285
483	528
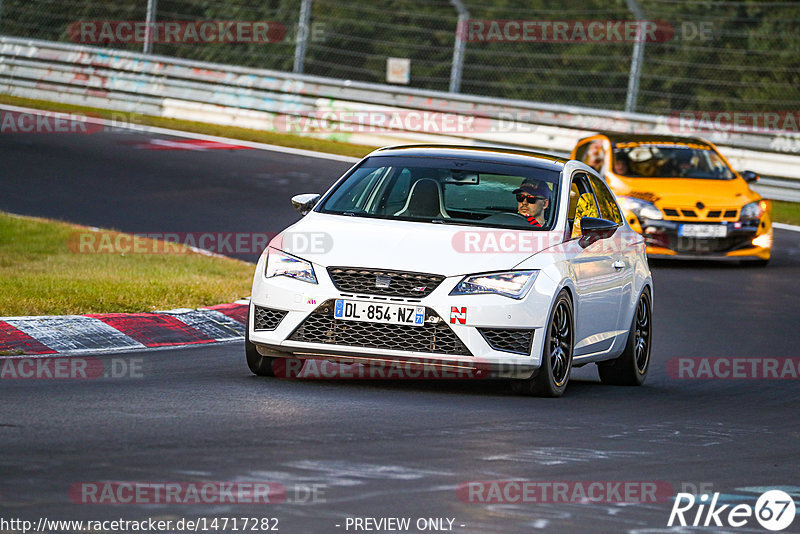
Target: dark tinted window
442	190
669	160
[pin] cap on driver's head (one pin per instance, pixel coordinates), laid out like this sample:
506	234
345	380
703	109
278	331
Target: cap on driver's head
533	187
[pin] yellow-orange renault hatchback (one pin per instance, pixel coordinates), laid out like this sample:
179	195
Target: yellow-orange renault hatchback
682	195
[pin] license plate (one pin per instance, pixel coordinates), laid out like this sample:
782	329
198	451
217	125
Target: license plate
371	312
703	230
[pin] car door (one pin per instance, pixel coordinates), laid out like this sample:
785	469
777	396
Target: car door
619	245
598	283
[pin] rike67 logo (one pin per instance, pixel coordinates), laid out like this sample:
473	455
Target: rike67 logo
774	510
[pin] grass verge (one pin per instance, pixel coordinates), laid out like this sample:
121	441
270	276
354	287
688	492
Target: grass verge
786	212
245	134
40	274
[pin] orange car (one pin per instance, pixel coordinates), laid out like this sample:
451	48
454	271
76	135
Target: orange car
682	195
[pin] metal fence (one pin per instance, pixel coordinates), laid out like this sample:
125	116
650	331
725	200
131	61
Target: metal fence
701	55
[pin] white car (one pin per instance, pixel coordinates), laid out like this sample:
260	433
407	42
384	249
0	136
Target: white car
419	257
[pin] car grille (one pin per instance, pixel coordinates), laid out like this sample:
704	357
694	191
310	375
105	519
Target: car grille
518	341
400	284
267	318
692	214
433	337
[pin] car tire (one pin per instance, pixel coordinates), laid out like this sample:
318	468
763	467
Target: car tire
630	368
268	365
258	364
552	377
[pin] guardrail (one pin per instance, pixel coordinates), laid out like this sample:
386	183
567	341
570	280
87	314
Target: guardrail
345	110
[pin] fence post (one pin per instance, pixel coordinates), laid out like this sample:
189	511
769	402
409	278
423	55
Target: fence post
302	37
636	59
152	6
459	46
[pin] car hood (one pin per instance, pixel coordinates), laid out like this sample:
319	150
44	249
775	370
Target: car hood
450	250
684	192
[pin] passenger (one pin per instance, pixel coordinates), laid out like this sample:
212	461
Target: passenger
533	197
622	164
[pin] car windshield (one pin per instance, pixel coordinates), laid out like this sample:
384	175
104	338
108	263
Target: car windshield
446	191
669	160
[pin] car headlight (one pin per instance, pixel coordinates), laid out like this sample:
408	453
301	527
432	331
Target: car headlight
512	284
282	264
641	208
754	210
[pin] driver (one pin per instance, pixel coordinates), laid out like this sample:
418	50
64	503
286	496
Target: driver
533	197
595	155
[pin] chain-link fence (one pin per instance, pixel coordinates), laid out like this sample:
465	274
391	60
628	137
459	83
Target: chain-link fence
693	55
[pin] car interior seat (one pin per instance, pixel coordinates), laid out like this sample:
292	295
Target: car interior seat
424	200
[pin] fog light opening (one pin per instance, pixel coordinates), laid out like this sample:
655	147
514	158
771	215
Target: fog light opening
763	241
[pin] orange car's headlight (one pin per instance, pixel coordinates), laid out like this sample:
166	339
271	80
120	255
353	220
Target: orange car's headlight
753	211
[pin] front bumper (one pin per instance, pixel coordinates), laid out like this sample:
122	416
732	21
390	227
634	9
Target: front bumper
484	333
663	241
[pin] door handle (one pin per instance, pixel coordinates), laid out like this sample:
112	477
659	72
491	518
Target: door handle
618	265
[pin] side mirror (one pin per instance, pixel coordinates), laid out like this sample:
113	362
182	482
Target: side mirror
594	229
749	176
302	204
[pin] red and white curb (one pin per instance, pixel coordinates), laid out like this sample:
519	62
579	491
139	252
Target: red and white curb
68	334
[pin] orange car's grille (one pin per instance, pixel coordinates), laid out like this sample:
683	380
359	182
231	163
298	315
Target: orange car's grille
695	214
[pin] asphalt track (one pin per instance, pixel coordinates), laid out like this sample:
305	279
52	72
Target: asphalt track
380	448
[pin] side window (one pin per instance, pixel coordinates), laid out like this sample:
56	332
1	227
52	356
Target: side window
605	199
585	206
355	193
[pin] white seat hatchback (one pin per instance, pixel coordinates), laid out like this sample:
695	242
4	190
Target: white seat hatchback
458	261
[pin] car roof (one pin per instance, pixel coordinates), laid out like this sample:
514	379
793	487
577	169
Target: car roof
618	137
477	153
